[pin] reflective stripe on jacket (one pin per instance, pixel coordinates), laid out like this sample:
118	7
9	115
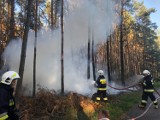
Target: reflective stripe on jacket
3	116
148	90
102	88
101	82
148	84
7	102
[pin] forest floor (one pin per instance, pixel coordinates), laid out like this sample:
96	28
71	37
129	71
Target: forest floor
48	105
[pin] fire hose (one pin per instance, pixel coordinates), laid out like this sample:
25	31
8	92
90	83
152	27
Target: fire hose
122	88
147	107
141	115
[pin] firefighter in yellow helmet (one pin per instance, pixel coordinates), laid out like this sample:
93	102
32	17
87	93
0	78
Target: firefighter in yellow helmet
148	89
101	87
7	101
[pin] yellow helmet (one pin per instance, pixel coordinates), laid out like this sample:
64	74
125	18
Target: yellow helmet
9	76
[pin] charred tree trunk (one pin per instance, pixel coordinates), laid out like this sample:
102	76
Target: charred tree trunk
35	51
121	45
108	61
23	49
88	65
62	50
111	55
93	60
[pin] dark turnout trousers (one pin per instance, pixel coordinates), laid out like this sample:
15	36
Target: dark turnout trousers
145	98
101	95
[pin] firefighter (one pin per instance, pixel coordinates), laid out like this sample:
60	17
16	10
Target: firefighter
101	87
7	101
148	90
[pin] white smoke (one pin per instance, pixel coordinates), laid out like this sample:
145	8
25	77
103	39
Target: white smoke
99	15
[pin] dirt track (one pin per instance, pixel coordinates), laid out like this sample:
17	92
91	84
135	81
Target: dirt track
151	114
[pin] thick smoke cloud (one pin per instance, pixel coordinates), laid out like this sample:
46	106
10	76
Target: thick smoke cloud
79	15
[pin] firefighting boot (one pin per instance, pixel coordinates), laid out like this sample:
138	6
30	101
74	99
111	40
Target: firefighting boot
105	99
156	106
141	106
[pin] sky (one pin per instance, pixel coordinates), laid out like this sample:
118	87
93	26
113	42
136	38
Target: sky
155	17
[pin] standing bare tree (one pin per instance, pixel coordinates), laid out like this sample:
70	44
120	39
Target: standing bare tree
62	50
23	49
93	58
35	51
88	65
108	58
121	45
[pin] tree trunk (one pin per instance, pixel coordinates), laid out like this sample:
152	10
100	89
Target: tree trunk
88	65
144	51
56	11
108	61
93	61
2	36
35	51
52	14
62	50
12	21
111	55
23	50
121	46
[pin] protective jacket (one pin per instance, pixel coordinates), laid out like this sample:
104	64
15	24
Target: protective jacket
148	90
101	83
101	88
7	103
148	84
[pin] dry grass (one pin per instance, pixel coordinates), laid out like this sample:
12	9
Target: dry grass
48	105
